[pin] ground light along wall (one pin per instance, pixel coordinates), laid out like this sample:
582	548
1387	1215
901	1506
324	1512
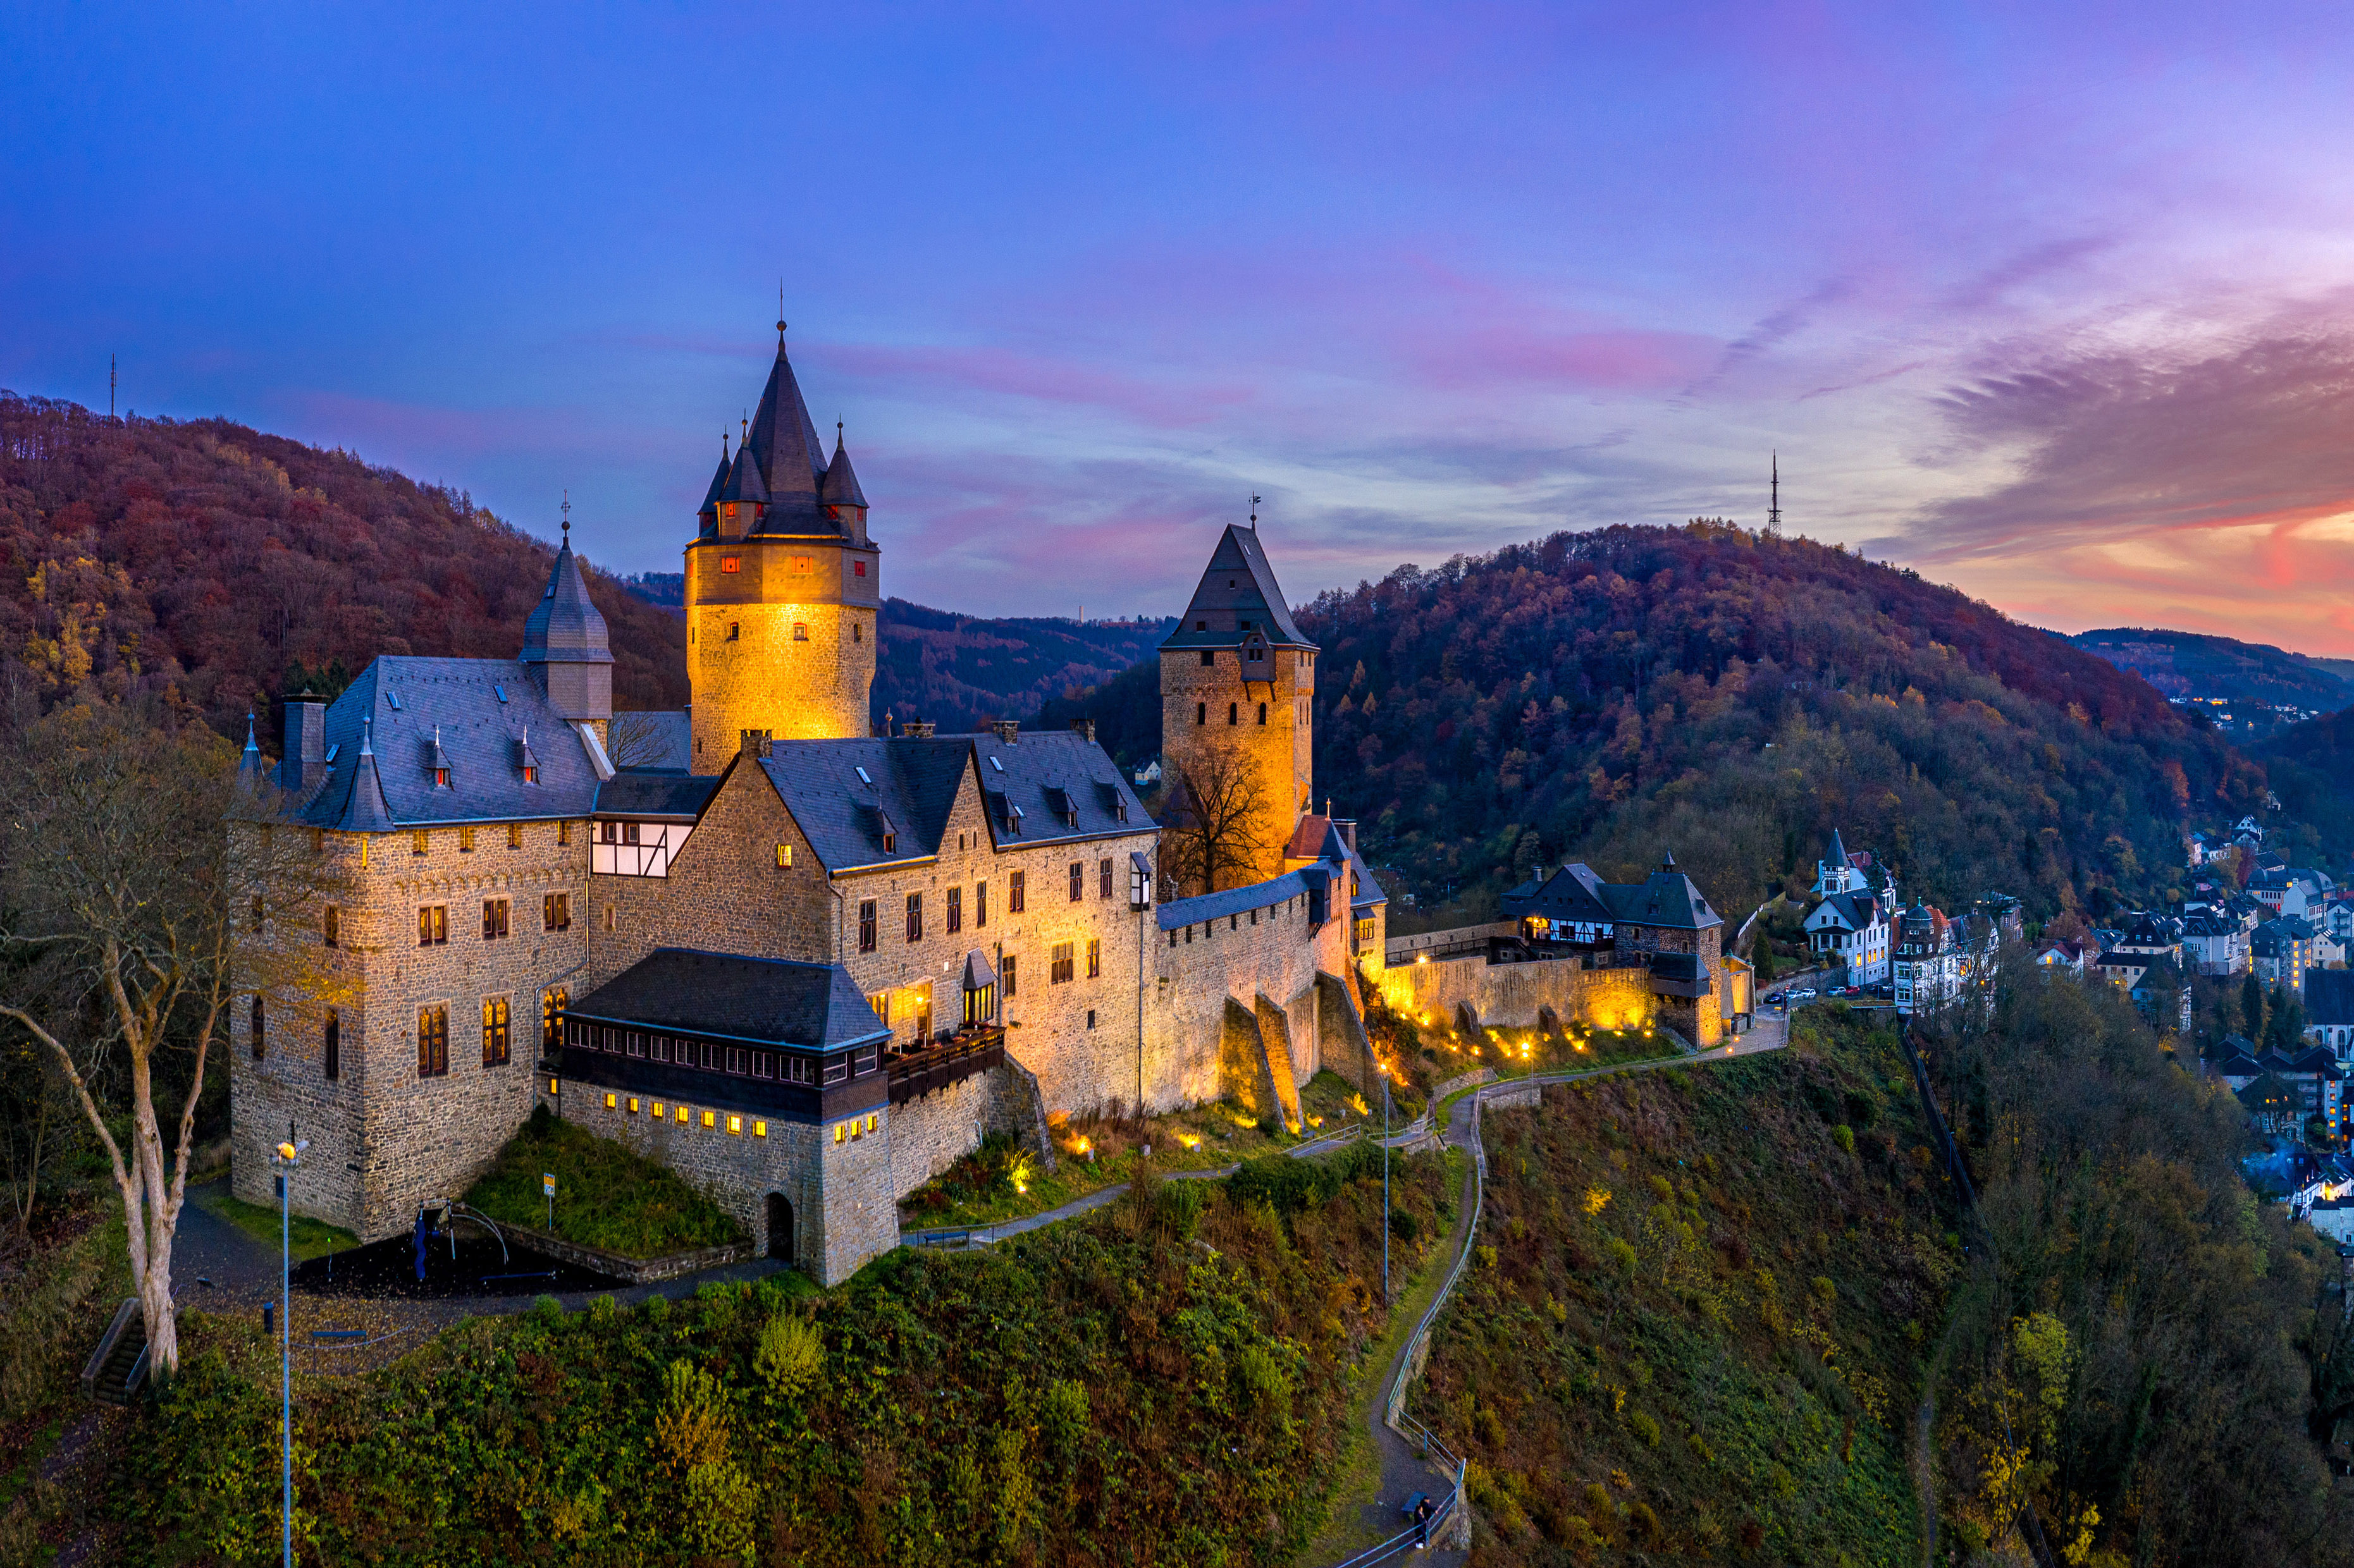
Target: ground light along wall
1514	996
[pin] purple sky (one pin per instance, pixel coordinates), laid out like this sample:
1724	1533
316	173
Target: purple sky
2054	303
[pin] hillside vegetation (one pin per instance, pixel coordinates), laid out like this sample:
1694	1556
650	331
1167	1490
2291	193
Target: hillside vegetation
1695	1328
2141	1351
1163	1382
2192	664
956	671
205	558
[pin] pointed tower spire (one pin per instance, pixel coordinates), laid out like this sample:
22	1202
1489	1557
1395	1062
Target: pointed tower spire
367	813
564	645
249	773
839	488
707	514
784	443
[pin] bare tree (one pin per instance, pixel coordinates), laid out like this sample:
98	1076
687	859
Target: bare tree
636	740
1212	838
134	904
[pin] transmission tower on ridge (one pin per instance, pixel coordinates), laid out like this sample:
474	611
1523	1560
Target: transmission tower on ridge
1774	506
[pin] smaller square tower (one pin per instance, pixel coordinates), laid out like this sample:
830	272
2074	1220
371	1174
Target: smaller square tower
1237	697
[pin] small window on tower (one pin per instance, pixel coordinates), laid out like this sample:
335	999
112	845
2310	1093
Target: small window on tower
733	631
1234	713
856	634
1208	658
858	569
731	562
1200	712
1262	713
801	631
800	566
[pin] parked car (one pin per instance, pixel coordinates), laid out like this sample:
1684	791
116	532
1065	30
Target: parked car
1804	993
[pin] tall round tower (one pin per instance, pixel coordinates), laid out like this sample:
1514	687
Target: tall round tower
783	588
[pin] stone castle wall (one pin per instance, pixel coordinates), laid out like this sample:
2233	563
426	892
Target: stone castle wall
1266	952
1514	995
1195	700
764	676
410	1137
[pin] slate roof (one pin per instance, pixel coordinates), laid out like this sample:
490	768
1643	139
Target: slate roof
1573	893
1318	838
789	458
481	735
773	1001
2330	998
1177	913
646	794
744	481
1855	910
718	481
1237	596
1666	898
565	627
1837	859
911	782
840	486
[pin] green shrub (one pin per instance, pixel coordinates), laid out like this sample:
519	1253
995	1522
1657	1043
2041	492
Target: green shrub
1824	1288
1623	1255
1404	1226
1177	1210
547	1309
1662	1186
603	1310
792	1353
1844	1136
1486	1257
1642	1425
1265	1385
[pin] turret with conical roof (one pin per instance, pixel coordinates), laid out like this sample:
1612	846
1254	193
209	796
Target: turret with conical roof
1237	697
564	646
783	588
707	517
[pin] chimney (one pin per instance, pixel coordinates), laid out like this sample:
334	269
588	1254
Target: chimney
305	758
1008	730
917	729
756	742
1348	829
1086	728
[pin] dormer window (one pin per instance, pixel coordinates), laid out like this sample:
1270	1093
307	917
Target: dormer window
440	778
530	774
890	843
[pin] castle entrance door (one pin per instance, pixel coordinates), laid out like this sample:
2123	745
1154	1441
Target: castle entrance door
780	1227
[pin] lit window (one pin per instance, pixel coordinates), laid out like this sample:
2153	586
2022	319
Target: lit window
465	835
659	1111
736	1126
682	1116
731	562
610	1101
858	569
784	857
514	830
799	565
759	1129
841	1132
870	1122
417	841
801	631
633	1105
551	1085
564	832
433	1042
710	1120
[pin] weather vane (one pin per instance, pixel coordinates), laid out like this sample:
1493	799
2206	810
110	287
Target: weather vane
1256	498
567	516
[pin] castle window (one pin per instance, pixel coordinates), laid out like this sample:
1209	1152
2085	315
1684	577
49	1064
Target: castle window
735	630
856	634
432	925
914	917
332	926
256	911
331	1049
636	1045
563	833
494	1031
858	569
1200	712
1234	713
552	1003
494	920
801	631
1201	626
514	830
432	1042
731	562
465	835
1014	899
556	912
1256	656
531	775
764	1065
629	832
612	1102
955	910
662	1052
1103	877
866	925
1008	970
440	778
784	857
739	1061
800	566
1095	965
609	831
837	1068
660	1111
736	1125
417	841
609	916
1078	880
980	905
1091	1012
1262	713
1060	966
256	1027
1209	658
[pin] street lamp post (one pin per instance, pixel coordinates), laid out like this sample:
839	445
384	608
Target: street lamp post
1385	1187
286	1157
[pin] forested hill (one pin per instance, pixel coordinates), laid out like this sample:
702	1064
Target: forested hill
2192	664
207	557
1731	697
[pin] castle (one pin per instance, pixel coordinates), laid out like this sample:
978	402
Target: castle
806	965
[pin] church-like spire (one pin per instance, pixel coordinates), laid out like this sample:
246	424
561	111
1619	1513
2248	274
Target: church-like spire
710	507
367	813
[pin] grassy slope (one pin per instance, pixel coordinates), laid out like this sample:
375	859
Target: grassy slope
1726	1369
1103	1390
606	1196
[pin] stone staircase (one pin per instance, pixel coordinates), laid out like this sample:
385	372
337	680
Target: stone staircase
119	1366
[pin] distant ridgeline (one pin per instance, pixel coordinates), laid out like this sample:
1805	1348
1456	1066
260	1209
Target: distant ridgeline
2190	664
1603	696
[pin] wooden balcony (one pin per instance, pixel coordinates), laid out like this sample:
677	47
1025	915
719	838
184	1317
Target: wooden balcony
914	1074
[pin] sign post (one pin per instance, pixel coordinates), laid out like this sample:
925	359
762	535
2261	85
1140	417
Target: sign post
547	1189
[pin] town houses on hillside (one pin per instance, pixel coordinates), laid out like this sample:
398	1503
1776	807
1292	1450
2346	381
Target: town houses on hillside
1916	955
